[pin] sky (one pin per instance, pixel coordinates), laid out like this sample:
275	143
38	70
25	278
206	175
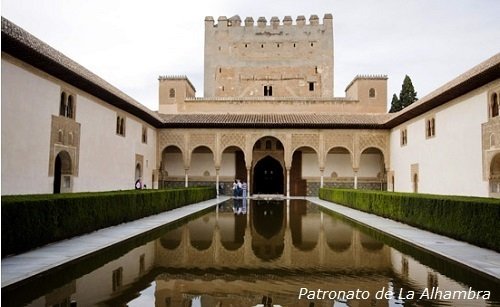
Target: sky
130	43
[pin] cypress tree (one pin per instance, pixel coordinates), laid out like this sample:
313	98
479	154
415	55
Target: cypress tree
407	95
395	104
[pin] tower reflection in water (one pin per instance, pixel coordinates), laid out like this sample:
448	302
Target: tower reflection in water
256	253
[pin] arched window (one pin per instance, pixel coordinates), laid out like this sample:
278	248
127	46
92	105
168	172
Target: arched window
60	136
62	104
172	93
371	93
69	107
494	105
122	126
118	124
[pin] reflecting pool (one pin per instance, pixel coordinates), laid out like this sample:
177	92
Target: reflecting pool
259	253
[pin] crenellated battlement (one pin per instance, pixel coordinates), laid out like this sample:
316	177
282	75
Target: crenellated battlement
235	21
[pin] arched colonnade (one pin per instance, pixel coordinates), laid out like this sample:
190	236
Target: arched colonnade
297	162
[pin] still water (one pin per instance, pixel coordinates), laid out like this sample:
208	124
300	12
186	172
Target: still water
260	253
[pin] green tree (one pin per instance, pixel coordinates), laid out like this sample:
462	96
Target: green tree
407	95
395	104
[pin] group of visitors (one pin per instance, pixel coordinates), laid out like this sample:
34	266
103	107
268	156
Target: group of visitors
239	188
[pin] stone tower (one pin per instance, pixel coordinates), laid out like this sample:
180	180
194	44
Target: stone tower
279	59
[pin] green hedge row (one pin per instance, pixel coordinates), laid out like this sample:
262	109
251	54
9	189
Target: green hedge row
29	221
471	219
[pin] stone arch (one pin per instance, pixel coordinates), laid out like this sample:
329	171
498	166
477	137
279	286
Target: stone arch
232	166
232	230
201	159
338	164
268	176
172	167
372	166
268	224
63	170
338	234
369	243
268	164
201	232
306	162
172	239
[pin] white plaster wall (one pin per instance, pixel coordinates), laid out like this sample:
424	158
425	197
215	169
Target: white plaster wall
28	103
339	163
310	165
201	162
370	165
450	162
107	160
173	163
228	164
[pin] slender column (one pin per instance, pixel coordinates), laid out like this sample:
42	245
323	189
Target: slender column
355	179
287	182
322	170
186	179
217	170
248	182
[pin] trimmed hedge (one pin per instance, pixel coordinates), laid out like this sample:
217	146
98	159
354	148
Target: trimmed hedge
471	219
29	221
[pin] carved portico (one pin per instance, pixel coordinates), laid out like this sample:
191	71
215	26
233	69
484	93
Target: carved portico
317	144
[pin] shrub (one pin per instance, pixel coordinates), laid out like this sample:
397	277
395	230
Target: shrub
29	221
470	219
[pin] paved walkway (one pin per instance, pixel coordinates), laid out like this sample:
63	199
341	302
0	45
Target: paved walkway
479	259
19	267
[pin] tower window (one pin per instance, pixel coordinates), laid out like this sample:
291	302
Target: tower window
311	86
371	93
268	90
172	93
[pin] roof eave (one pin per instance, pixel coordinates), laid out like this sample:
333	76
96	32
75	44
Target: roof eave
26	54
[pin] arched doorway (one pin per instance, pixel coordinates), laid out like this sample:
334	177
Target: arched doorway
138	171
268	176
62	172
495	176
171	173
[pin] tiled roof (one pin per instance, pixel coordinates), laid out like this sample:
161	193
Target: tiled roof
326	121
28	48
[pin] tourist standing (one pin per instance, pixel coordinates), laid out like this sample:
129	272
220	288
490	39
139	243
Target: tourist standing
244	188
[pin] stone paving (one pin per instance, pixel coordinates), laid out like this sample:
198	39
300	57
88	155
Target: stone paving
482	260
19	267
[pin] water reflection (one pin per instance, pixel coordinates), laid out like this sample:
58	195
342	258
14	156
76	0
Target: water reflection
246	254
